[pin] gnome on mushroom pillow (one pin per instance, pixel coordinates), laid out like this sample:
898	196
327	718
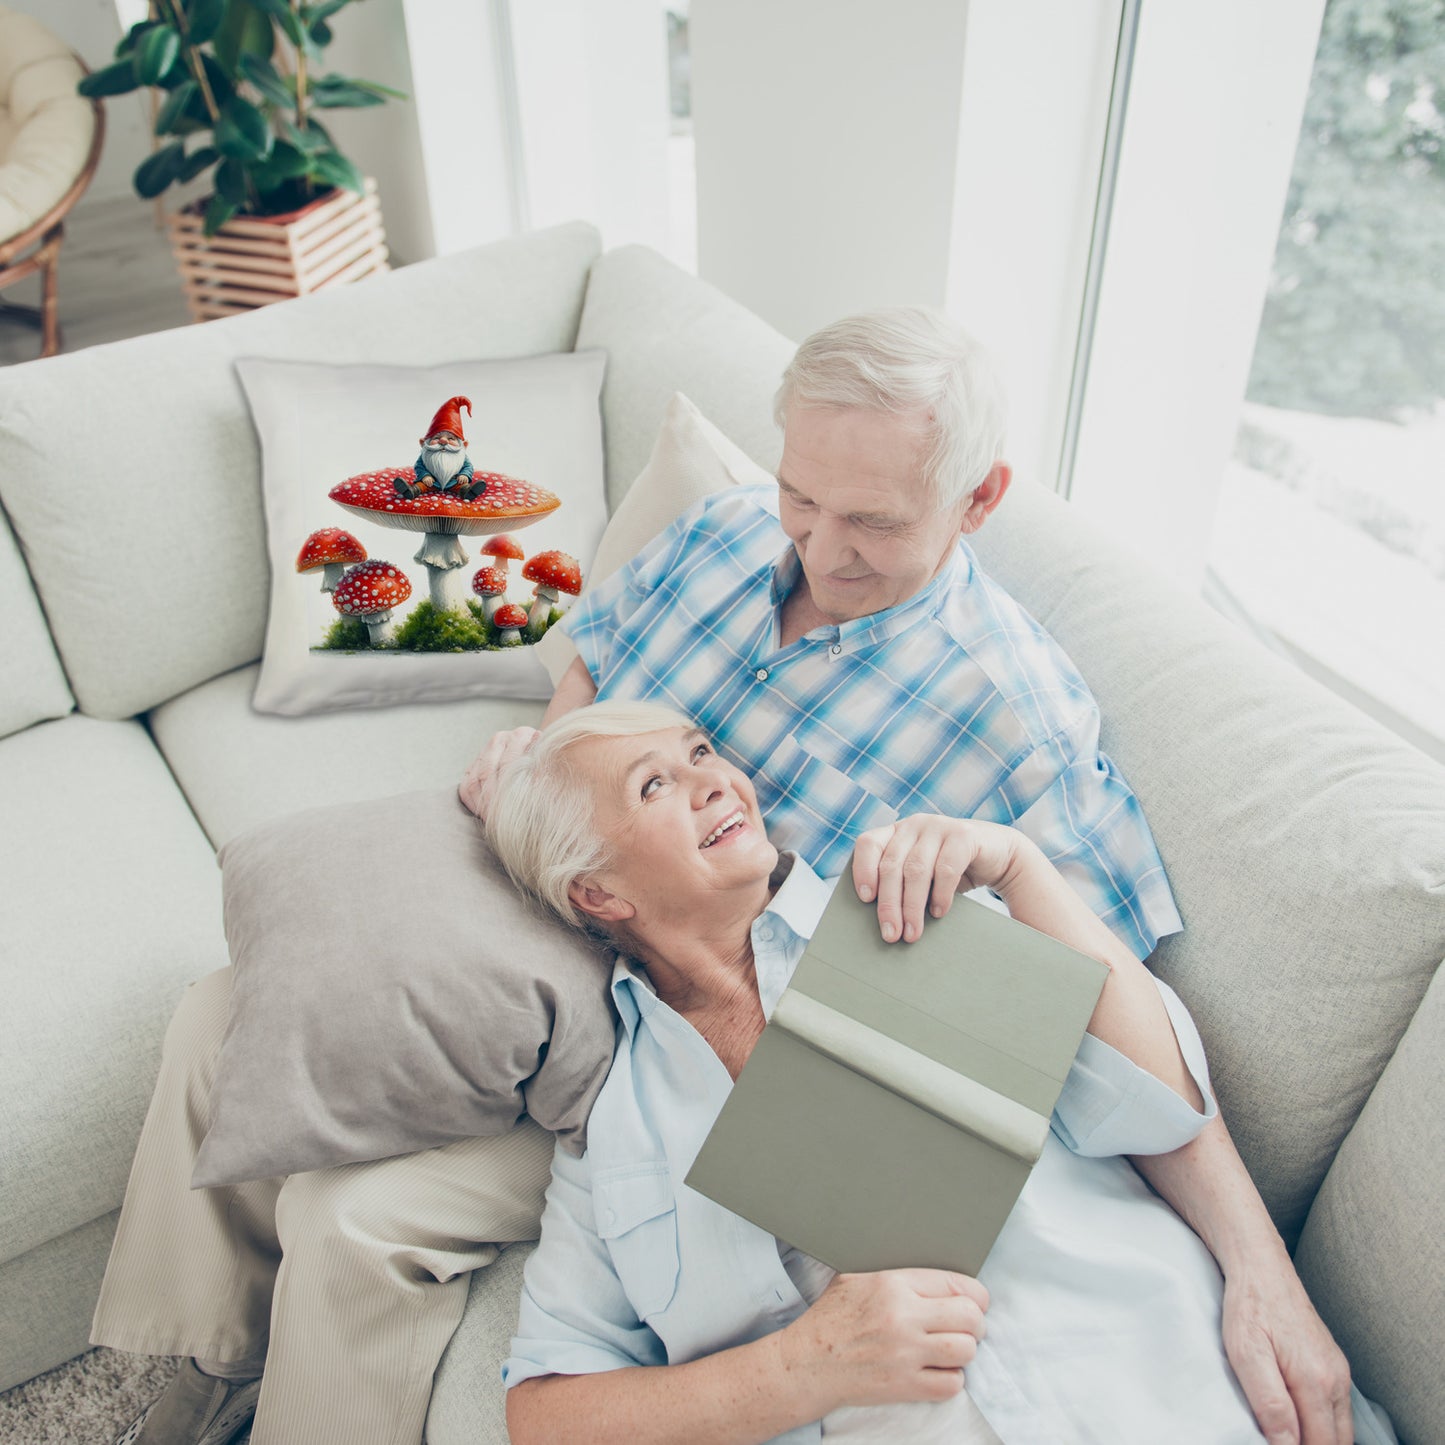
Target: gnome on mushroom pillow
444	463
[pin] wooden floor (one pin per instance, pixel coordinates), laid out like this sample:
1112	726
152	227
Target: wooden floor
117	279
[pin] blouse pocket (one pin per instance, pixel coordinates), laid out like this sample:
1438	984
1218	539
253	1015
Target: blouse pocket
637	1216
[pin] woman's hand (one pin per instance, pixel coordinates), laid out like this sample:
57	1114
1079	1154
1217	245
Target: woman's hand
918	864
475	788
874	1339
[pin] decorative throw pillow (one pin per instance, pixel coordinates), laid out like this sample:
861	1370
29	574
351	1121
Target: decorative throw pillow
383	587
691	459
392	992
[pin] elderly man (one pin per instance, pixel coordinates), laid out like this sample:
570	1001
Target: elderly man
838	641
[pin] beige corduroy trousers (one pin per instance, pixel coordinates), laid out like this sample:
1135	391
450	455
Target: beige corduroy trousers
350	1281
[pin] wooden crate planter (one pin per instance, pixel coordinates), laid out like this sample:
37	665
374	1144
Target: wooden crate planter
255	260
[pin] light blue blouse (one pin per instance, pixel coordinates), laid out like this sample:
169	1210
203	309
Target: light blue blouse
1105	1316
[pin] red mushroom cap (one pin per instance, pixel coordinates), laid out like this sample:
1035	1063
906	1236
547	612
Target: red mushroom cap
510	616
489	582
327	547
554	569
507	502
371	587
503	545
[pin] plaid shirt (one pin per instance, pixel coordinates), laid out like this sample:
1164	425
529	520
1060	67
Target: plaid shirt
955	702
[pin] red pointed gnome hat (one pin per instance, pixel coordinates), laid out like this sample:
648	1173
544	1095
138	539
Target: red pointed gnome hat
449	418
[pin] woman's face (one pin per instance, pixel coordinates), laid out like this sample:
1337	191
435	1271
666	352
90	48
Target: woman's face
682	824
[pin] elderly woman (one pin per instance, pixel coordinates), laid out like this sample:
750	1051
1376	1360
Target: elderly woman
654	1314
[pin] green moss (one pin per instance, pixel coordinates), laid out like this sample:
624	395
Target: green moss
346	634
451	630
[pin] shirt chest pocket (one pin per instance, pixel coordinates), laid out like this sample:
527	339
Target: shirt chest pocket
637	1218
815	809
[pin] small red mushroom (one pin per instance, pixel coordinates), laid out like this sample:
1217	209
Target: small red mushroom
505	548
510	619
368	592
330	549
490	584
553	572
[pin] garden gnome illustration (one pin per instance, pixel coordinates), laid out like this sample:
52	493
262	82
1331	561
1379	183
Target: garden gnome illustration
444	465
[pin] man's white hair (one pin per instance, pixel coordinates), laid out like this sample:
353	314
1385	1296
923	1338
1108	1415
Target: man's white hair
542	820
908	360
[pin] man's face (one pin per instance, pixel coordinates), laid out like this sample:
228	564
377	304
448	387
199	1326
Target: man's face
852	499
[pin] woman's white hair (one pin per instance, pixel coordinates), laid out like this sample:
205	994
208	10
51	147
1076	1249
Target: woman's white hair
908	360
542	819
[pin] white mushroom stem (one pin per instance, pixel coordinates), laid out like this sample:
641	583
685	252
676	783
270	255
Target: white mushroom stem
490	605
540	611
509	637
376	626
331	575
441	554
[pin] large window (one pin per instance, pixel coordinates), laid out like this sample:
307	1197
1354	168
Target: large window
1330	528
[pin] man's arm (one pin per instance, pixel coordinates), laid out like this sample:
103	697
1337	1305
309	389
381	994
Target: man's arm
1295	1377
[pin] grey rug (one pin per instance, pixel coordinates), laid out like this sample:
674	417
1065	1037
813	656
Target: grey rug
86	1402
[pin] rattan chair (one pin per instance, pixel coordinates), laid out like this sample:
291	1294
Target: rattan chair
50	139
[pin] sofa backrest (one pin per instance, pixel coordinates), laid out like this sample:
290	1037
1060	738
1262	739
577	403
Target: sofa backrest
147	541
32	682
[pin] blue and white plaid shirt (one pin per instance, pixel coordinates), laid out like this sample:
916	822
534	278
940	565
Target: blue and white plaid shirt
955	702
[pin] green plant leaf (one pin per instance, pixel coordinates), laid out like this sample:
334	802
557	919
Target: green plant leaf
158	50
115	79
173	111
242	132
287	163
285	17
218	212
203	19
277	88
312	140
244	31
377	88
197	161
222	85
319	33
131	38
157	171
231	181
333	168
333	92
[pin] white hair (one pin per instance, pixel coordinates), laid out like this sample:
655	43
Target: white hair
908	360
542	819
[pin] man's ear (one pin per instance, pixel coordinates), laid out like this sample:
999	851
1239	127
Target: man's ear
595	901
986	496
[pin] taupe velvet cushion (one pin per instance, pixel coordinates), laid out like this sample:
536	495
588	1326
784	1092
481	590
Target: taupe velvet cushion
393	993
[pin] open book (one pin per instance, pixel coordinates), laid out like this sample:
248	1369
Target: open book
900	1094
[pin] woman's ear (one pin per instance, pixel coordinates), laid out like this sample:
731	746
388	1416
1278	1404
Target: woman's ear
596	902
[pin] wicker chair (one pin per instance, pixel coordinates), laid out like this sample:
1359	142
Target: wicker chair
50	140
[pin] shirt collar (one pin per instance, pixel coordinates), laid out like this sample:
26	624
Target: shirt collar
878	626
779	933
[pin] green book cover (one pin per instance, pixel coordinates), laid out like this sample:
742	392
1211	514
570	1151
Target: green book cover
900	1094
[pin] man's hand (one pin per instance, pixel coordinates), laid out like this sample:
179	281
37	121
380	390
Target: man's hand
1295	1377
476	785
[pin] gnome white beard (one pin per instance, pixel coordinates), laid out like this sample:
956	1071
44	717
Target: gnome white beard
443	463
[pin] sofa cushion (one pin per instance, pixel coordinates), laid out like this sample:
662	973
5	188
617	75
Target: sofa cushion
664	331
432	1007
239	768
32	683
534	418
1302	841
110	906
1372	1254
147	544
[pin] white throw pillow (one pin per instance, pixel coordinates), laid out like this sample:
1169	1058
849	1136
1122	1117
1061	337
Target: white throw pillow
691	459
536	419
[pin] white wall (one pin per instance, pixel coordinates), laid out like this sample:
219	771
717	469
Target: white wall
827	145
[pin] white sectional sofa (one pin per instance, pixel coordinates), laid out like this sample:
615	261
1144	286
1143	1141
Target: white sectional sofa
1305	845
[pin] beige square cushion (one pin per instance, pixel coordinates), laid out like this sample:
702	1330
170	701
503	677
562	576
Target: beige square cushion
147	541
393	993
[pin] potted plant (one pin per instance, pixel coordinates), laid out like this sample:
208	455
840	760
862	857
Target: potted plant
240	84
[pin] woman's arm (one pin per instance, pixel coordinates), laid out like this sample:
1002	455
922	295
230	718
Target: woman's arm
916	866
903	1334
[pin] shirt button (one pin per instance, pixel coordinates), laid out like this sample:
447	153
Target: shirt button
761	674
836	648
